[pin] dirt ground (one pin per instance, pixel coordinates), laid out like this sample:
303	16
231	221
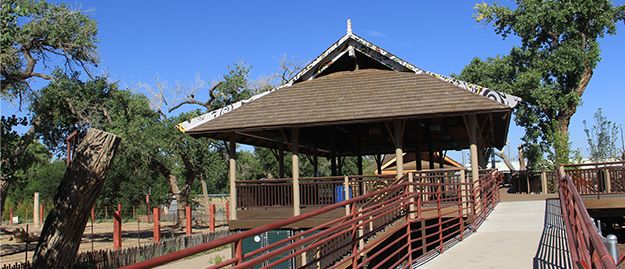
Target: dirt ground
133	234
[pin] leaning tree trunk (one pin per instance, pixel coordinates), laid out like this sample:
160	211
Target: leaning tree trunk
77	193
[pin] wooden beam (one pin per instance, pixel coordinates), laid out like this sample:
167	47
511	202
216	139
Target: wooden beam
288	144
390	133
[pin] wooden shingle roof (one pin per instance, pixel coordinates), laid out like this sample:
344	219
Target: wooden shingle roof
353	97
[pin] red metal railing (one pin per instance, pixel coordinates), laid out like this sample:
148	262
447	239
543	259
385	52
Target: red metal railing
411	219
586	247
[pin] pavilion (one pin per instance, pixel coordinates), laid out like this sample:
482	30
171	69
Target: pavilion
357	99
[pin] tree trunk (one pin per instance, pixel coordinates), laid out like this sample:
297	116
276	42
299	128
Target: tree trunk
77	194
4	191
205	201
563	119
503	156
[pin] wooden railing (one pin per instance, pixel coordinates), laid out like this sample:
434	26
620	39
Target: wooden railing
323	191
410	219
597	178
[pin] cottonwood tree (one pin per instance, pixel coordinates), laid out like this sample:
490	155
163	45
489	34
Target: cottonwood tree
34	34
550	69
179	158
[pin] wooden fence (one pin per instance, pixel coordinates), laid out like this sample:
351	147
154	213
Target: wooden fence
115	259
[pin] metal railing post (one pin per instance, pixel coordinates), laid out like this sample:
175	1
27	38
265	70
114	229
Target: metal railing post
612	245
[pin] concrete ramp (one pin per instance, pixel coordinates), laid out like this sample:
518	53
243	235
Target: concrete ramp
521	234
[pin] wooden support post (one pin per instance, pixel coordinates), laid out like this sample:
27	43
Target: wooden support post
280	159
157	225
117	230
212	218
188	218
295	163
233	176
41	220
399	154
227	211
475	168
418	144
430	146
608	182
333	150
315	162
359	153
11	215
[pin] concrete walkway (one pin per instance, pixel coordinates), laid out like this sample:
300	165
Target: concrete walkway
517	234
202	261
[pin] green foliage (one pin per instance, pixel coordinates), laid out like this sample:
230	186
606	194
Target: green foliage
33	31
236	86
550	70
10	140
602	139
68	104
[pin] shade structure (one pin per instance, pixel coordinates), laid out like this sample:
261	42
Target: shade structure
347	101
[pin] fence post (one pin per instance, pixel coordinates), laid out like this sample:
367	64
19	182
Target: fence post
211	216
188	215
36	219
157	226
543	180
11	215
608	182
227	211
117	230
147	209
412	200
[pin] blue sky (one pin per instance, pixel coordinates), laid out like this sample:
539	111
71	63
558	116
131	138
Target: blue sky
177	39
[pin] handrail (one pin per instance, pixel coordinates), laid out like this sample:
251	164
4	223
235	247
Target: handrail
239	236
585	244
346	239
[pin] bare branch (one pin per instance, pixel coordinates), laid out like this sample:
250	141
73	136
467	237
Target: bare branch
288	68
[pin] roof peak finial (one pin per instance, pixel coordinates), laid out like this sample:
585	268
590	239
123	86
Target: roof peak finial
349	26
